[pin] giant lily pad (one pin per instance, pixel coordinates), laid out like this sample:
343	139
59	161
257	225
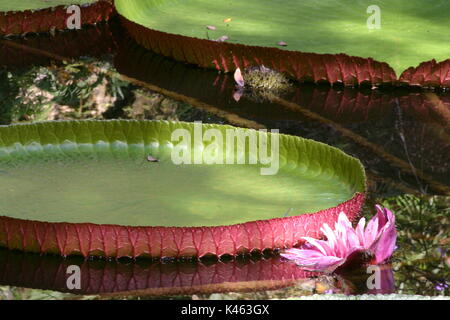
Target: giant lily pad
25	16
88	187
310	40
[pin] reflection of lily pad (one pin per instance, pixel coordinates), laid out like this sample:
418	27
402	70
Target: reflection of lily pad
147	277
25	16
328	30
341	105
88	188
24	52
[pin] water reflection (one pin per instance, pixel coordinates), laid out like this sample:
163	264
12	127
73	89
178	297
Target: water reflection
367	281
152	278
43	49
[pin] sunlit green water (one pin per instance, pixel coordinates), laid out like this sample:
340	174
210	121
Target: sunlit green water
128	190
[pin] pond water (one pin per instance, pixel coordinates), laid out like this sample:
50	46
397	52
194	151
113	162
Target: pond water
401	136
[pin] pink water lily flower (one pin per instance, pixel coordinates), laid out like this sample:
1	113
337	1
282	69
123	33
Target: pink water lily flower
346	244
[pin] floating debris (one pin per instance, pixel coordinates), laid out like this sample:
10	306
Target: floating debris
227	20
222	39
282	43
152	159
211	27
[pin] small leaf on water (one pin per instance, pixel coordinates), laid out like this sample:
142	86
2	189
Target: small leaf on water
151	159
211	27
282	43
227	20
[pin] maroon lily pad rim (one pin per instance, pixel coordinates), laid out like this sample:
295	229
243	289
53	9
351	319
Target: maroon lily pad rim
114	241
49	19
301	66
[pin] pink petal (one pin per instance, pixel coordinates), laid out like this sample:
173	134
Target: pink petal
343	229
352	238
321	245
349	236
371	232
313	260
343	220
239	78
390	216
382	216
301	256
301	253
331	237
360	231
384	246
342	225
291	254
326	263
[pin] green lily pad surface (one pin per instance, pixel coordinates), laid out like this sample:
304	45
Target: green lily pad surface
22	5
99	172
411	31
